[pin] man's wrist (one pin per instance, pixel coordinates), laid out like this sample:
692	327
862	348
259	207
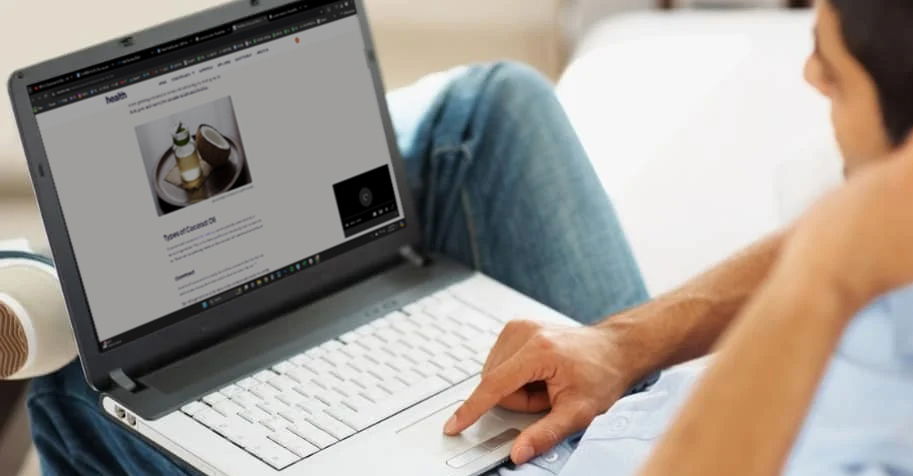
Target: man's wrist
627	349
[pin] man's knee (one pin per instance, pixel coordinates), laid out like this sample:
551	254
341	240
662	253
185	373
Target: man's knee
516	84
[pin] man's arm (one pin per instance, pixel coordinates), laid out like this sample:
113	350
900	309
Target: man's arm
585	370
685	323
747	410
851	248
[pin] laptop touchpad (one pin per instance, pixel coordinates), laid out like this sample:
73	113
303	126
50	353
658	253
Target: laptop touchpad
427	433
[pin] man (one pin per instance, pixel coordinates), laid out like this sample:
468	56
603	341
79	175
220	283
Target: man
804	286
503	185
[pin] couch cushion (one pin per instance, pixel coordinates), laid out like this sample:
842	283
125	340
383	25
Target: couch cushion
702	130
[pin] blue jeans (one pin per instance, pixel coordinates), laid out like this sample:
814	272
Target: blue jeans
502	185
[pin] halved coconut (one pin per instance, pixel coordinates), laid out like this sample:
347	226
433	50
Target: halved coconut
212	145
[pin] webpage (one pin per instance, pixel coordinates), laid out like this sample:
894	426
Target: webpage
285	157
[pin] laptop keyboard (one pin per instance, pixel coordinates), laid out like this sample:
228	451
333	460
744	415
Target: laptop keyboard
312	401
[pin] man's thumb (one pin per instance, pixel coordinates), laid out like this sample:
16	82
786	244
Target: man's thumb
546	433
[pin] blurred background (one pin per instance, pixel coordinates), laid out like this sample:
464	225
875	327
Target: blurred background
694	112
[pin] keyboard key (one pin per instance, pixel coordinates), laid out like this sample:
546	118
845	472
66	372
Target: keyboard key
294	415
331	345
283	367
353	350
388	334
443	361
382	372
300	359
193	408
410	377
264	376
334	427
330	398
349	337
376	394
283	383
314	435
273	407
300	374
337	358
293	443
348	373
432	347
228	408
393	385
275	423
214	398
209	417
358	403
291	397
241	432
467	333
348	389
416	356
318	366
246	399
247	383
460	353
406	327
427	369
231	390
412	308
371	342
265	391
358	421
273	454
400	364
254	415
443	307
312	406
471	367
315	352
453	375
411	395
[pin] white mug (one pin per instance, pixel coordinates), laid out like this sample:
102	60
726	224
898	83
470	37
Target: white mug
35	333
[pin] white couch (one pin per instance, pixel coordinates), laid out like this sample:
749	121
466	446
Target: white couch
702	130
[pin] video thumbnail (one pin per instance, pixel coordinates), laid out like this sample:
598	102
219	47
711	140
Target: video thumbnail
366	200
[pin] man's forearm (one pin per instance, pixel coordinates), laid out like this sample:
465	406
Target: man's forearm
685	323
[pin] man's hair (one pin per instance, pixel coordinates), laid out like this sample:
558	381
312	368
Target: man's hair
879	34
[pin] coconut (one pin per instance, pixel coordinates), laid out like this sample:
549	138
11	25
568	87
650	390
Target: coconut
213	146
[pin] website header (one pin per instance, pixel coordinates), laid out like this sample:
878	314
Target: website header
183	52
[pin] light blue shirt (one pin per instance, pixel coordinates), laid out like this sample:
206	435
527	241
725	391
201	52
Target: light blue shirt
861	421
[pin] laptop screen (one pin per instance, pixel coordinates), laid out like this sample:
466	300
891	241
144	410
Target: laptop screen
217	164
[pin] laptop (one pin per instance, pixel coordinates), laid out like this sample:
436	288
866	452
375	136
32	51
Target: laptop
241	256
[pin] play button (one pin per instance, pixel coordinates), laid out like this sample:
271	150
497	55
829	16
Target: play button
365	197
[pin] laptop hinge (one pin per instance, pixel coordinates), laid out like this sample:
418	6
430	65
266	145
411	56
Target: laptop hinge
413	256
123	381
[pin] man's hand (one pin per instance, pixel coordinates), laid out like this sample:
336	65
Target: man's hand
574	371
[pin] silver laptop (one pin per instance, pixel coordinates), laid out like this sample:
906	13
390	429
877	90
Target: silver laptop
241	256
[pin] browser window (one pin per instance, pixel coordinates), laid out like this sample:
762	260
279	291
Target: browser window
201	170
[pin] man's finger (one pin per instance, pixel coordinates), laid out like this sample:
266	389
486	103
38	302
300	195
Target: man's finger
527	401
546	433
502	381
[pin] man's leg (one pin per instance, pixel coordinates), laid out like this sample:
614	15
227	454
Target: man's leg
73	437
504	186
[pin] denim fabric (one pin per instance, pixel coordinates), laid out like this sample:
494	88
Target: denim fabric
502	185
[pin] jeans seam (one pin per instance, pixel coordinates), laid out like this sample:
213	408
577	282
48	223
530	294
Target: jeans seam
470	229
